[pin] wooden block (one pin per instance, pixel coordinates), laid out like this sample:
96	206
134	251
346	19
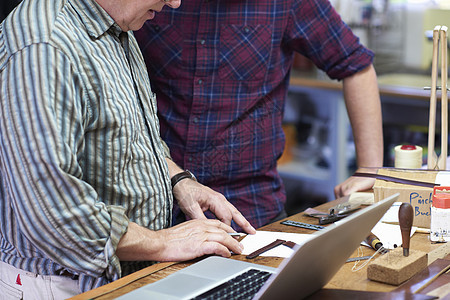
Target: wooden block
394	268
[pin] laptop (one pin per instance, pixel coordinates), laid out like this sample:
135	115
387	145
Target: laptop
306	271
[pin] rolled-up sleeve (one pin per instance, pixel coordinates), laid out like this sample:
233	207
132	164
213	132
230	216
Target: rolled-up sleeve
317	31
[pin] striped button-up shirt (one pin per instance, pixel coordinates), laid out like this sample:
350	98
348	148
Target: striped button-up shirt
220	69
80	151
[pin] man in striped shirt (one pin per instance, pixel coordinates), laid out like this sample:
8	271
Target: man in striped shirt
86	183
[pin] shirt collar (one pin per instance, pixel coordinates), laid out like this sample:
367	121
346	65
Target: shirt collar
94	17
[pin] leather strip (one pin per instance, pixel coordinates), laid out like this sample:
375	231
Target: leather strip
265	248
396	179
272	245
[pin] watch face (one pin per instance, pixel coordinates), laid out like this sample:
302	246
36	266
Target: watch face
192	175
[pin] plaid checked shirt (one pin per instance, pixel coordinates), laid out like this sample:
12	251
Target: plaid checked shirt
220	70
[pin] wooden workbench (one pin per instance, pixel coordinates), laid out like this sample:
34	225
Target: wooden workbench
345	279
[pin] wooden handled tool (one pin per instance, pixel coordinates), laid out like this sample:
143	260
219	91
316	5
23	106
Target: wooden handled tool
405	218
433	161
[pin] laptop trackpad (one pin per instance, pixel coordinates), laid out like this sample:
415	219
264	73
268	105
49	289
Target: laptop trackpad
186	285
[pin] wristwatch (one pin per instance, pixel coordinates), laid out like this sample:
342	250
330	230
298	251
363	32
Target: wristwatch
182	175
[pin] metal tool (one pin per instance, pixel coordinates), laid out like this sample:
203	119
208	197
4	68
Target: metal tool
359	258
344	208
435	162
338	212
302	225
328	219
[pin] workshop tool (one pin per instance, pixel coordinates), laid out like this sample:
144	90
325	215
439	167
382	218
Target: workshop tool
435	162
336	213
302	225
399	265
375	243
405	219
237	234
359	258
418	229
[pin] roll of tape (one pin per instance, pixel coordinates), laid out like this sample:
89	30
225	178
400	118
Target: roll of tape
408	157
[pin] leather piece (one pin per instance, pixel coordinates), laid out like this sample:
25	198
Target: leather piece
335	294
425	275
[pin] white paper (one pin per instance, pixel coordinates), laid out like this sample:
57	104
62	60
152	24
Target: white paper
389	234
392	214
262	238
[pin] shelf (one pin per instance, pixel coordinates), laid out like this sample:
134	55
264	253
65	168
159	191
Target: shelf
399	93
329	107
303	170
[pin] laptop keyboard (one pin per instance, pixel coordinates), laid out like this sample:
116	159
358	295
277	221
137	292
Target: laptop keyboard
243	286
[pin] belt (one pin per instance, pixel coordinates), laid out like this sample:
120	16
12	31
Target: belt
66	273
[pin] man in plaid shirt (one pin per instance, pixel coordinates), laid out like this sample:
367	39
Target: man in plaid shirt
221	70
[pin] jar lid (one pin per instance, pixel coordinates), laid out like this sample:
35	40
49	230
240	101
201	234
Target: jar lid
441	200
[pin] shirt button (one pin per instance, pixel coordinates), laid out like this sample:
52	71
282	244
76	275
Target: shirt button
190	158
202	42
200	81
195	120
246	29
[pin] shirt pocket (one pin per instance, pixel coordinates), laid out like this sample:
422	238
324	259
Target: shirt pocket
245	51
165	42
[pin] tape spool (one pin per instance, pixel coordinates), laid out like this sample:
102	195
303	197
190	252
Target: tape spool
408	157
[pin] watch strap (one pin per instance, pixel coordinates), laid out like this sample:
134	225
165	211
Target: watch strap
180	176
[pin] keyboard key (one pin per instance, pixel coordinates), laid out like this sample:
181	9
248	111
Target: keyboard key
243	286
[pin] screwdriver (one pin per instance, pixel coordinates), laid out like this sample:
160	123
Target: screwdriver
375	243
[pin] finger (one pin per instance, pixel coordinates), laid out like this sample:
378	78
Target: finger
243	223
226	240
192	209
220	207
223	213
338	191
215	248
232	213
196	213
219	226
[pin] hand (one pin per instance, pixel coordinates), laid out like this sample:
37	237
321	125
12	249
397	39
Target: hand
353	184
185	241
196	238
195	198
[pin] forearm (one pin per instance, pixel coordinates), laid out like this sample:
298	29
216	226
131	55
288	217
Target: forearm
185	241
364	109
173	167
138	244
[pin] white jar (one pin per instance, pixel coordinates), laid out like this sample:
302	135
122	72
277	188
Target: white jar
440	215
